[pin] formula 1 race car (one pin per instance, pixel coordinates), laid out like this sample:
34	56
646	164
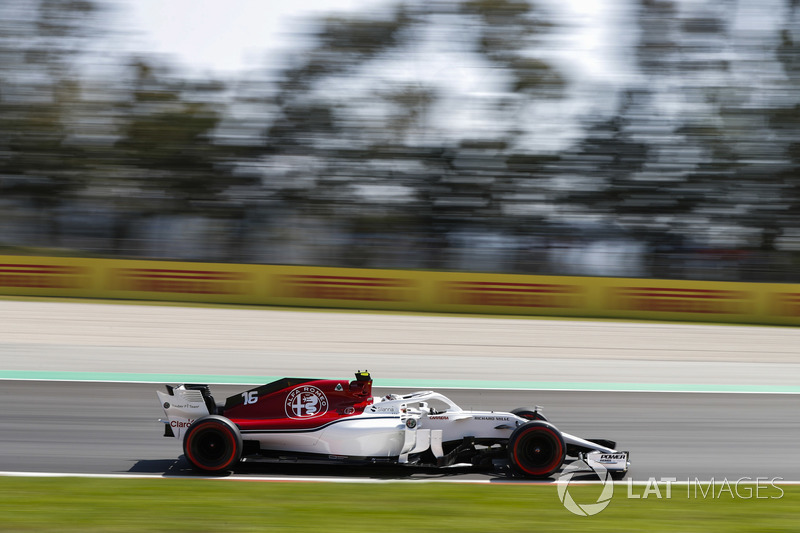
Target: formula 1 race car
336	421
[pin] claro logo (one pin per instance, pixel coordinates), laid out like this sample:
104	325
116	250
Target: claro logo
44	276
181	281
181	424
346	288
656	299
511	294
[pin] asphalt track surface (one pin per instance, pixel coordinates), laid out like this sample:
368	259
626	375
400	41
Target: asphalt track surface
112	428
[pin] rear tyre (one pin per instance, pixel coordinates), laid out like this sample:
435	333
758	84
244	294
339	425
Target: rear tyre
529	413
536	449
213	444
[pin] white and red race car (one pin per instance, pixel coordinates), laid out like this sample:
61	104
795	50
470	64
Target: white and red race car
339	421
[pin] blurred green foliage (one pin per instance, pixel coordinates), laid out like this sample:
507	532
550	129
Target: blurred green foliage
336	156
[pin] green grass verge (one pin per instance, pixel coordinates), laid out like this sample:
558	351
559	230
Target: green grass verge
75	504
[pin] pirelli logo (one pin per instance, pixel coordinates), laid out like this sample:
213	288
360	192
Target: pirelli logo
512	294
786	304
44	276
364	289
701	301
181	281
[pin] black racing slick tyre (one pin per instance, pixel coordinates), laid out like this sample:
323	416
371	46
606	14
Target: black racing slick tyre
529	413
536	449
213	444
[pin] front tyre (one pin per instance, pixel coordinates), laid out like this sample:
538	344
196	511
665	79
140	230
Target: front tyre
536	449
528	413
213	444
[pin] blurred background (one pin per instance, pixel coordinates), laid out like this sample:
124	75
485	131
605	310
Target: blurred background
641	138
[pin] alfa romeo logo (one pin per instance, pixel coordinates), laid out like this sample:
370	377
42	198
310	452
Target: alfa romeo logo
581	468
306	402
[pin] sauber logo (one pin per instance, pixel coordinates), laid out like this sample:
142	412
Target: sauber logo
511	294
656	299
181	281
346	288
44	276
306	402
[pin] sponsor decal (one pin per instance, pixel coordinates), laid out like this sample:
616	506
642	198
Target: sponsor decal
338	387
181	424
786	304
491	418
658	299
187	405
306	402
612	456
347	288
181	281
511	294
166	405
411	423
349	410
438	418
35	276
383	409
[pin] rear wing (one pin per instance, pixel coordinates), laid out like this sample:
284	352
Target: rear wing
183	405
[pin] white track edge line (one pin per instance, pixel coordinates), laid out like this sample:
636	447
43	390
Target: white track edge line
306	479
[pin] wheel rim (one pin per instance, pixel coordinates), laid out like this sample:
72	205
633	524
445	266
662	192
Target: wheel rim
538	451
211	448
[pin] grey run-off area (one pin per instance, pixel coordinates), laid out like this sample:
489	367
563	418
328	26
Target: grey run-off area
50	336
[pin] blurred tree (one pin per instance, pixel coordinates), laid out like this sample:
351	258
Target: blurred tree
112	149
169	138
508	34
173	158
369	141
694	149
418	127
39	42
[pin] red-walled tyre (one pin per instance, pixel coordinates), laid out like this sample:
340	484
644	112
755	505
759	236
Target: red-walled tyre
536	449
213	444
